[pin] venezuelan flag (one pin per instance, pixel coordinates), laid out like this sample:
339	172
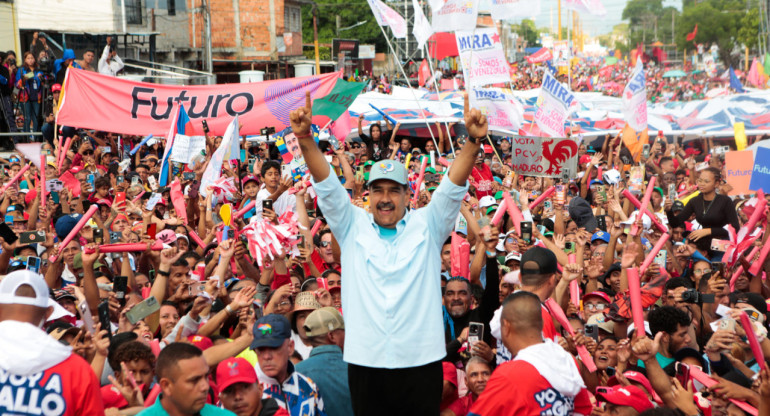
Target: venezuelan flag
180	125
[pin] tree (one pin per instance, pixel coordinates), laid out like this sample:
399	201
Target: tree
527	31
350	13
748	31
642	16
718	23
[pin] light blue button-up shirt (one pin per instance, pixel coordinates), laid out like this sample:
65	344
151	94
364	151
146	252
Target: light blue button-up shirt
391	291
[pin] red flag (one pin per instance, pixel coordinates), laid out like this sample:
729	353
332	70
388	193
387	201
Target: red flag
423	75
340	128
691	35
542	55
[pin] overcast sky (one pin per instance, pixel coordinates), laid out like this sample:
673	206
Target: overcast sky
594	25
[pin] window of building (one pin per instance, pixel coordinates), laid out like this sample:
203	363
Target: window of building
134	11
292	18
171	7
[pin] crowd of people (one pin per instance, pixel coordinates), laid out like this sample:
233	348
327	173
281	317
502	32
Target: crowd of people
28	83
371	287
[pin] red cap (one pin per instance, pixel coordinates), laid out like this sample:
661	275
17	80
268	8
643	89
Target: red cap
637	377
56	87
627	396
602	295
31	195
235	370
200	341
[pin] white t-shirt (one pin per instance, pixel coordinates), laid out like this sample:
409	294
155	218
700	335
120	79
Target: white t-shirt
284	203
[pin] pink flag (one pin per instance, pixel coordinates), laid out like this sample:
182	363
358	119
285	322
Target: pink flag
340	128
755	77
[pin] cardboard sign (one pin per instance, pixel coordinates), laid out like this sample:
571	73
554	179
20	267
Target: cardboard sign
542	156
738	167
760	176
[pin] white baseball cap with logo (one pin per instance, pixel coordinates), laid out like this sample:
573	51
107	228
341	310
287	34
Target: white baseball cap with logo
13	281
390	170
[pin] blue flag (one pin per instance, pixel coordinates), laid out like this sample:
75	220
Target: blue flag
735	83
178	126
551	67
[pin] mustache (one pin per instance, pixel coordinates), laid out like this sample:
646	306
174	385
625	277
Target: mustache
386	205
456	303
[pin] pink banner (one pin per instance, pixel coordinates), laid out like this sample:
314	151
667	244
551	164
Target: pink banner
94	101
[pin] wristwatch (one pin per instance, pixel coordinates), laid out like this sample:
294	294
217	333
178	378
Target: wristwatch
474	140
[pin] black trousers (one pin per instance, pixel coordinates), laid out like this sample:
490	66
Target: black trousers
401	391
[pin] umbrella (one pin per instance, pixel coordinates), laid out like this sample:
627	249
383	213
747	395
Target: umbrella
675	73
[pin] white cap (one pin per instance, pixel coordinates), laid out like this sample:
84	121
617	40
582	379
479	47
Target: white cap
611	176
647	330
11	283
513	256
512	278
646	221
487	201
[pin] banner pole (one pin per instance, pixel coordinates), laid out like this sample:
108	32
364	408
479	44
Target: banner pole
438	96
406	79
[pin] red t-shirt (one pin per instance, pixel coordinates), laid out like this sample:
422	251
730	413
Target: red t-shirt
482	179
549	330
69	388
533	394
462	406
321	265
112	397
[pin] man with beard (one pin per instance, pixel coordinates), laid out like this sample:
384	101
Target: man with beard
458	313
477	373
674	323
391	271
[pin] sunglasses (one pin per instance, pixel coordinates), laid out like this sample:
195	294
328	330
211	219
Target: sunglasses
355	146
326	243
88	152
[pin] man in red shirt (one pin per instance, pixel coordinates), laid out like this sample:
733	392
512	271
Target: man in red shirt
38	375
546	377
477	374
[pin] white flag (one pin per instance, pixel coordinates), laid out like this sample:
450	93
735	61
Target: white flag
455	15
594	7
506	9
223	152
388	17
554	105
502	109
422	30
482	57
635	99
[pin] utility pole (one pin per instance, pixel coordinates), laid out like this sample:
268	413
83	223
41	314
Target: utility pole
559	12
209	56
315	39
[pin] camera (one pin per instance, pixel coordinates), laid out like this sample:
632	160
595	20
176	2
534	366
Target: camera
693	296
